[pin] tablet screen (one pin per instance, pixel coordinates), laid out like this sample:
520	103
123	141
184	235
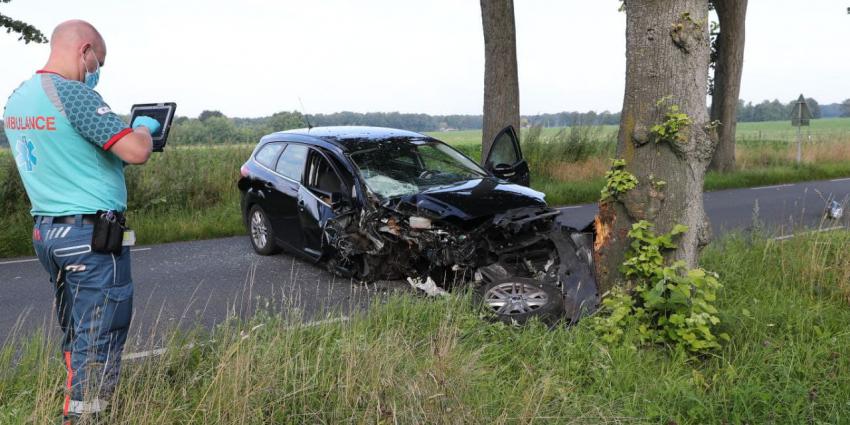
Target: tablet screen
163	113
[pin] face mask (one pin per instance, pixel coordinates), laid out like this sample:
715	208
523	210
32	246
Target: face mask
91	78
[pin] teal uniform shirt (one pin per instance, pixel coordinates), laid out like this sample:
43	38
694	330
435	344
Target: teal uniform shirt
60	132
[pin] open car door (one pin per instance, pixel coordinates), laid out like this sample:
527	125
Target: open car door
320	191
505	159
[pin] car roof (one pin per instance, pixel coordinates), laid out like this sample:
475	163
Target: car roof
352	138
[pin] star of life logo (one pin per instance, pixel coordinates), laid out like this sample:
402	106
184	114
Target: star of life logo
25	157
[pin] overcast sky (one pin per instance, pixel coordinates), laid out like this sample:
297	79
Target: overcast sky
253	58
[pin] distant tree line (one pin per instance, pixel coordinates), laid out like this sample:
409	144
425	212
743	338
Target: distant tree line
213	127
774	110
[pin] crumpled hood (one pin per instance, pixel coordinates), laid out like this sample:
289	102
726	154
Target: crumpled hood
470	200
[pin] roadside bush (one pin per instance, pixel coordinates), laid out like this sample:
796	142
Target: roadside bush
182	194
13	197
188	178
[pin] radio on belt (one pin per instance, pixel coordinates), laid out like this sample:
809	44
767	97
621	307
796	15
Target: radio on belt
163	113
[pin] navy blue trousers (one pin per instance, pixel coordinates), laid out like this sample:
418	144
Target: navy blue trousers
94	304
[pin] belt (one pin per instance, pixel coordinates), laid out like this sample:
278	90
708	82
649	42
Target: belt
70	219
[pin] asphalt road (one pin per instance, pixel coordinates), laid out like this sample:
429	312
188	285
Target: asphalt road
204	282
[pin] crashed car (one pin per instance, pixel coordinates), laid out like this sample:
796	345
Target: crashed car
377	203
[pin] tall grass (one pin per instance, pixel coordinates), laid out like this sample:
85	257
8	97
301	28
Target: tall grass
413	360
184	193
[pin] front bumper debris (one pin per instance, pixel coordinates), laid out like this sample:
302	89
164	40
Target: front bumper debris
528	243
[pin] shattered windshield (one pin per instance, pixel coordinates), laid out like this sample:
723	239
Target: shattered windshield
405	167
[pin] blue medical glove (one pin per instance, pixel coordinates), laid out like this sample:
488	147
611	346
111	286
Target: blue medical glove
150	123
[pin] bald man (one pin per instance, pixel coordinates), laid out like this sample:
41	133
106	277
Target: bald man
71	149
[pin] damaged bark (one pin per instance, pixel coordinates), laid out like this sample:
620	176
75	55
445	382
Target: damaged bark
670	174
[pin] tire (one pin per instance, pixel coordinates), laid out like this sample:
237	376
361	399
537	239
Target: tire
261	232
515	300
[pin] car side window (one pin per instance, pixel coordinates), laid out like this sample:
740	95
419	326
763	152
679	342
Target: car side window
322	177
267	155
503	151
291	162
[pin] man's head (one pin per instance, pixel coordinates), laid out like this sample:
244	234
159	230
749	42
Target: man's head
76	48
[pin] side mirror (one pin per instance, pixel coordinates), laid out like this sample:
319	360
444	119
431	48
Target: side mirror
504	171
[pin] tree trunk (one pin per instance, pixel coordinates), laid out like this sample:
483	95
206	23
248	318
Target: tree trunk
501	88
727	79
667	57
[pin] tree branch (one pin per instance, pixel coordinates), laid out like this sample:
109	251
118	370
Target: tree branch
28	32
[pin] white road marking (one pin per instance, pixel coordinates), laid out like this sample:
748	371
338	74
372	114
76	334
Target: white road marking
18	261
841	180
828	229
30	260
776	186
569	208
161	351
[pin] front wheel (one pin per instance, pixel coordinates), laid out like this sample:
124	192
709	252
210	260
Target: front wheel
517	300
262	234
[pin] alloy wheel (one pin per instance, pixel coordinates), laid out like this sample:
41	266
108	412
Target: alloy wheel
512	298
259	231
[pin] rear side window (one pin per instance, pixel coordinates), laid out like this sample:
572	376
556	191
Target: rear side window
267	154
291	163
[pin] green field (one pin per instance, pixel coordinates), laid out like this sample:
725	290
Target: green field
190	192
820	129
410	360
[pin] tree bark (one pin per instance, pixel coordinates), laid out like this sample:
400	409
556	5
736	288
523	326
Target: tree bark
667	58
501	87
732	15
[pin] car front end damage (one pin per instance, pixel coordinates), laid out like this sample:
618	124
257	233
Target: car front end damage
521	262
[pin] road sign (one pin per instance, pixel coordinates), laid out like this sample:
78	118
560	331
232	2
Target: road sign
801	114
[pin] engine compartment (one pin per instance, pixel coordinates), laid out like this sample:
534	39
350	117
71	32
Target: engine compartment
393	240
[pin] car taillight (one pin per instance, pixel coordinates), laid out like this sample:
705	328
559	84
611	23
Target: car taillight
244	171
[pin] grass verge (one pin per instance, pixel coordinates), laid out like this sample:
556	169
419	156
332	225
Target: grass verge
409	360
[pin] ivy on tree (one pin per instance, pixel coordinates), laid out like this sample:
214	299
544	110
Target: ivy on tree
674	122
617	180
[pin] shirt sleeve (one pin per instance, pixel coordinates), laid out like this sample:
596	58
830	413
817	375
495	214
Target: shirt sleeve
90	116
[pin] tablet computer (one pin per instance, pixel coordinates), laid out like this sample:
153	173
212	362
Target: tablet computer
163	113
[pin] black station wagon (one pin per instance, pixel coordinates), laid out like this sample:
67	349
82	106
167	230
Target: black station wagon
377	203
